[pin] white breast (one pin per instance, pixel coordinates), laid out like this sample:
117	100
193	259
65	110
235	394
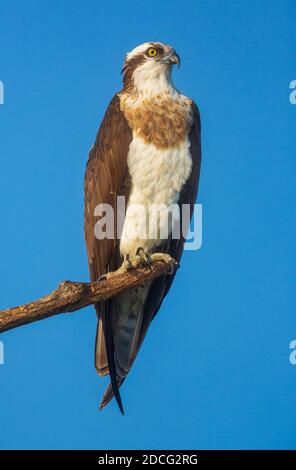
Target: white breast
158	175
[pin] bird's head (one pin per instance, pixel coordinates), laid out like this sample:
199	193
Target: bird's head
147	68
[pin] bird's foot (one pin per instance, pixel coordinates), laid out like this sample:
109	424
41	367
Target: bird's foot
141	260
126	266
166	259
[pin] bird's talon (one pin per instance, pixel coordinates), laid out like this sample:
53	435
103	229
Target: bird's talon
172	268
127	263
148	260
143	258
137	262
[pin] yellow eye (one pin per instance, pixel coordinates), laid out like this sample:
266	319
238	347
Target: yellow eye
152	52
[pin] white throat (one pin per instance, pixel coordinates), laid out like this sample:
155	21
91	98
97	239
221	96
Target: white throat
152	78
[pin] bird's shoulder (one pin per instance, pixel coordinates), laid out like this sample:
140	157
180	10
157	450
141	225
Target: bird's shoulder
113	133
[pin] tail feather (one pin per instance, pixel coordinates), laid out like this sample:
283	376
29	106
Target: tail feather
101	361
109	394
108	331
122	325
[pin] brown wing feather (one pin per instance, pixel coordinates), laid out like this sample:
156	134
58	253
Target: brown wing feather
106	178
174	247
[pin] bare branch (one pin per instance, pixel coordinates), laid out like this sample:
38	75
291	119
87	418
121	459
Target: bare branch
71	296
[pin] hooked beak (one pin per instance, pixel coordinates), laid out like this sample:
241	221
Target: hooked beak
172	58
175	59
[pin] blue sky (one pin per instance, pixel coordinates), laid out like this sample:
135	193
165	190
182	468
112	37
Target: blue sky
214	371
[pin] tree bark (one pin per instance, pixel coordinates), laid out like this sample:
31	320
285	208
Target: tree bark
71	296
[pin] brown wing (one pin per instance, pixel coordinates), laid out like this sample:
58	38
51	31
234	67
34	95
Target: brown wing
106	178
174	247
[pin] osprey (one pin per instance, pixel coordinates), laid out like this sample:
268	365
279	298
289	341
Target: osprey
147	150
